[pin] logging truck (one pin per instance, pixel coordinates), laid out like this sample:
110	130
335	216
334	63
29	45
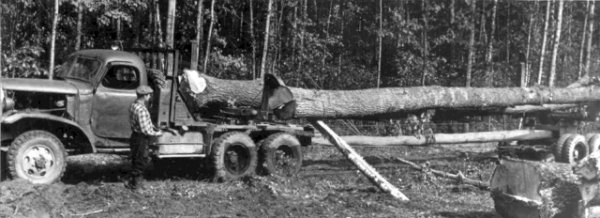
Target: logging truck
84	109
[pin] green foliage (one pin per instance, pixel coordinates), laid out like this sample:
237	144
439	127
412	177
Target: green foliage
23	62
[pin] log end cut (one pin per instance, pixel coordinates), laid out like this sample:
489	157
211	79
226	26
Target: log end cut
533	189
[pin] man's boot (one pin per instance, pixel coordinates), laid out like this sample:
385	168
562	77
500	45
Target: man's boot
132	183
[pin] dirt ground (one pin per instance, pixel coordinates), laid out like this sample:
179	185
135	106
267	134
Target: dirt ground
328	186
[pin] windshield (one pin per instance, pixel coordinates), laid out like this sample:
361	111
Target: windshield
80	68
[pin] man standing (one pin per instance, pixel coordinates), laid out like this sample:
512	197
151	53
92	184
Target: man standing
142	132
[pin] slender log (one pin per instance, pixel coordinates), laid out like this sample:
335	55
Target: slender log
459	138
457	177
377	102
359	162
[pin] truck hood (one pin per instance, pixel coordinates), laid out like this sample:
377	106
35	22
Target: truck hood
46	86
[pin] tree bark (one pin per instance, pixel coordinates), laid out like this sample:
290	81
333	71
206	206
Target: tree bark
589	39
79	24
561	6
534	189
265	54
389	101
471	56
440	138
359	162
489	77
583	37
544	39
53	40
199	34
209	37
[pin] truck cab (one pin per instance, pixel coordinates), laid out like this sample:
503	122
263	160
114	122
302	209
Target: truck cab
84	109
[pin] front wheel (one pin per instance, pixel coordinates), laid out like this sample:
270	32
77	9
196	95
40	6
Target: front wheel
233	156
37	156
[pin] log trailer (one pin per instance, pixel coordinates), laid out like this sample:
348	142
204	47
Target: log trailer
84	109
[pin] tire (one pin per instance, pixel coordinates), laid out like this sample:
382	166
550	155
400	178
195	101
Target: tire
575	148
593	142
233	156
558	147
38	157
281	155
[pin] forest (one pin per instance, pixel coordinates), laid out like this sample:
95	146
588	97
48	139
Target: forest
322	44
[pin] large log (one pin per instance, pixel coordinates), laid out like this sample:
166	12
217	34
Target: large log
385	101
359	162
458	138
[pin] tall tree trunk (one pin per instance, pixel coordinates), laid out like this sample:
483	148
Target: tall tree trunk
471	56
1	59
544	39
209	37
590	38
171	33
199	34
119	29
508	32
528	51
157	23
583	37
453	36
489	77
53	40
561	6
380	43
263	63
342	49
425	40
79	24
327	32
253	39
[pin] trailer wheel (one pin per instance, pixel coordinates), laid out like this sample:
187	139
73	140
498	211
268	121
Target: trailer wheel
593	142
233	156
557	150
281	155
575	148
38	157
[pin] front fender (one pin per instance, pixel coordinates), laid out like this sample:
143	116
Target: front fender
19	116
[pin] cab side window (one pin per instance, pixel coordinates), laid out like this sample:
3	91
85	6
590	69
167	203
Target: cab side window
121	77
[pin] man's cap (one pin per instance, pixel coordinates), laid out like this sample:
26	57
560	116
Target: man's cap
143	90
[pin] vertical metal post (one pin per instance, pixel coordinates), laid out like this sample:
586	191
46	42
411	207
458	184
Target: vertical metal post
194	60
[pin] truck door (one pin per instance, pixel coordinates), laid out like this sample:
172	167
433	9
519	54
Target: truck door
114	95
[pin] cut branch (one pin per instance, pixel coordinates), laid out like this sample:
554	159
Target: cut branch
456	177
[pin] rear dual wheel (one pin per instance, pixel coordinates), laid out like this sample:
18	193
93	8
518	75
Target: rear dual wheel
280	154
571	148
233	156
